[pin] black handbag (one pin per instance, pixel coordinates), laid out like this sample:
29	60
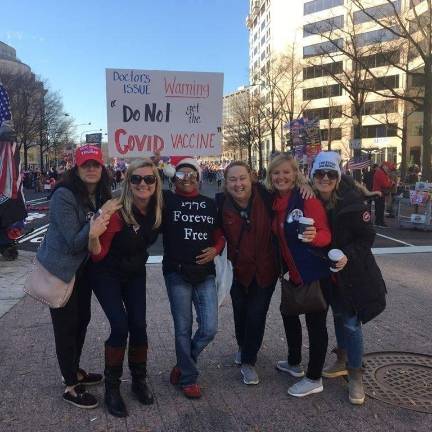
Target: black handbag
194	273
301	299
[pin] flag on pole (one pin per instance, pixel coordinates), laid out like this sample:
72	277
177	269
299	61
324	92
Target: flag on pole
9	172
5	112
360	163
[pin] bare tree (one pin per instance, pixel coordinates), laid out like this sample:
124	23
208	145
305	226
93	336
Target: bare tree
26	97
55	127
407	33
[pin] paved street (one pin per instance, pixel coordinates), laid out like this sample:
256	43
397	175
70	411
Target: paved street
38	220
31	388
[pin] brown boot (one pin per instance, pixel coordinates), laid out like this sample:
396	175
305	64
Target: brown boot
113	371
338	368
355	386
138	367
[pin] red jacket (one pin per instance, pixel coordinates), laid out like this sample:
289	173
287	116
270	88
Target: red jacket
256	258
381	181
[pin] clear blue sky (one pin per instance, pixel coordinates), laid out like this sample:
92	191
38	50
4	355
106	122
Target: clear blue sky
70	43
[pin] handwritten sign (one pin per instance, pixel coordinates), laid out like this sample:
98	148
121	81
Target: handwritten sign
174	113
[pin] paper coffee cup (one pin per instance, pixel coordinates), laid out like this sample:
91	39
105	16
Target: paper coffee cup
335	255
304	222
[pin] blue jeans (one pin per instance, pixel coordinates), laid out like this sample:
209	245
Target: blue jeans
204	298
349	335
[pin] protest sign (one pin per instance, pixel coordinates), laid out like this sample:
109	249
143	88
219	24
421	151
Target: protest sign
173	113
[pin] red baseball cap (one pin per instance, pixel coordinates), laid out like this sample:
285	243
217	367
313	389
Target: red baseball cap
88	152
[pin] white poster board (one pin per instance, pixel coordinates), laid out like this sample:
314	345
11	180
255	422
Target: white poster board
174	113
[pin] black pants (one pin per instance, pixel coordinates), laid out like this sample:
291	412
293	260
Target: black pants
123	299
250	308
379	210
70	327
317	332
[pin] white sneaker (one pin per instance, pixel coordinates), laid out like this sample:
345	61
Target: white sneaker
306	387
237	358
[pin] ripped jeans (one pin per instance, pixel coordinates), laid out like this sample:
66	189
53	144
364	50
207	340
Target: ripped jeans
349	335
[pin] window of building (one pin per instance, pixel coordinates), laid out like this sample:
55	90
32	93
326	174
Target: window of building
335	133
322	92
380	59
323	26
322	48
319	5
379	131
322	70
374	37
377	12
323	113
392	154
383	83
380	107
418	80
414	3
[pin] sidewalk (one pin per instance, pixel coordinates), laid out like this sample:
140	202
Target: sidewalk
31	389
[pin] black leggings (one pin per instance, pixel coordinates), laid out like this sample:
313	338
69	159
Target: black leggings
318	341
124	302
250	308
317	332
70	327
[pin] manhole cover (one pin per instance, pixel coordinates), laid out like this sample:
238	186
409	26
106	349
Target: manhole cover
400	378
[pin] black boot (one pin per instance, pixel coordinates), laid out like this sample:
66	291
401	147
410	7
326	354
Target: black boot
138	368
113	371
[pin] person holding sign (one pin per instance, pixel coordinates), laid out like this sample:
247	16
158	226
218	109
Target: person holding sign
302	230
358	293
118	279
191	241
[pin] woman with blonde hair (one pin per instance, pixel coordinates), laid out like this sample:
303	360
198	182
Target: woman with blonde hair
119	280
302	263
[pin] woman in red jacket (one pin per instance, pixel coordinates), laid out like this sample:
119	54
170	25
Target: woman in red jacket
302	262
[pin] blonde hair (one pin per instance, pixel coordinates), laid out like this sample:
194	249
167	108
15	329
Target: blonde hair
278	160
126	197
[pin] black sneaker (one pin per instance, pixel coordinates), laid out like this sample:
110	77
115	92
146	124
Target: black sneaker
83	399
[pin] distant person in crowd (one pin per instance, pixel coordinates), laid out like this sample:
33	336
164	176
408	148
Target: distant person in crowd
358	293
245	215
368	176
118	279
413	175
303	263
381	183
118	177
219	178
83	193
191	241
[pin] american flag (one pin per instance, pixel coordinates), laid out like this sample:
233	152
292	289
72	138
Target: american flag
360	163
5	113
10	179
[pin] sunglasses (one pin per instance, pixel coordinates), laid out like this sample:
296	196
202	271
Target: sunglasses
331	175
184	175
148	179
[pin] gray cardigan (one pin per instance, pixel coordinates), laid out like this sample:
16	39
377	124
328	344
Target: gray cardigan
64	247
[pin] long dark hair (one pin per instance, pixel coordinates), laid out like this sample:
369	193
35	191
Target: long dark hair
72	181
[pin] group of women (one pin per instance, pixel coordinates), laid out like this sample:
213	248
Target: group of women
104	243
